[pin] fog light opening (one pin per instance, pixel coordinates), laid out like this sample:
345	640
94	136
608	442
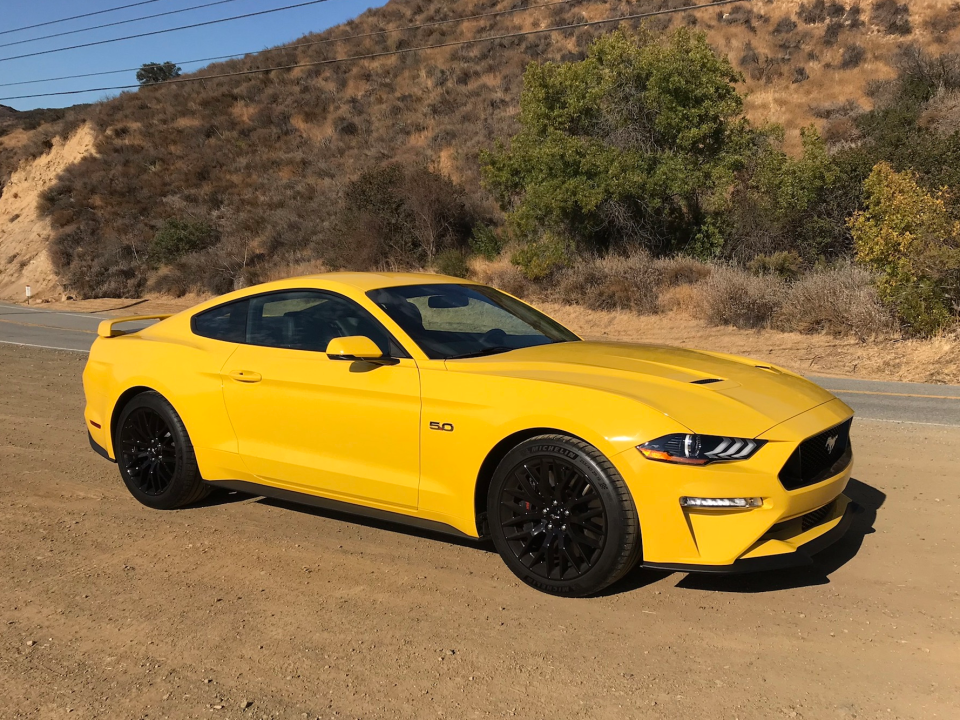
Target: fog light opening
721	503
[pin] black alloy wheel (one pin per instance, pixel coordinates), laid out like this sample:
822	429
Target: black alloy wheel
156	458
148	451
562	517
553	518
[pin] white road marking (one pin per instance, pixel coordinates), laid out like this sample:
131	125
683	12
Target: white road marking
47	347
860	418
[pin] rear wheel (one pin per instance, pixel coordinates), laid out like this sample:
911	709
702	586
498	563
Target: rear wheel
155	455
562	518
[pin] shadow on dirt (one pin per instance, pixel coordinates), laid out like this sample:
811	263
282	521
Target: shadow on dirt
380	524
824	563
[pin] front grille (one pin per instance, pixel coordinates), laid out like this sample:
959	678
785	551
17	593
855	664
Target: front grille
818	458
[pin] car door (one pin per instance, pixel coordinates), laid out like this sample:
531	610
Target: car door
344	429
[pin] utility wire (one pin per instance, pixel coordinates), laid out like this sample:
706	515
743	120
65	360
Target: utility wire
325	41
77	17
404	51
118	22
161	32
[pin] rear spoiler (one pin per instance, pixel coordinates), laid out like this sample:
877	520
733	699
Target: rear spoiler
106	328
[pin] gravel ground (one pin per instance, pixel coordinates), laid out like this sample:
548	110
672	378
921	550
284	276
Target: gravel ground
246	608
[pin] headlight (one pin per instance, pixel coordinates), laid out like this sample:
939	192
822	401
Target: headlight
699	449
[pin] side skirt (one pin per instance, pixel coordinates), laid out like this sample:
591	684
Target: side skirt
339	506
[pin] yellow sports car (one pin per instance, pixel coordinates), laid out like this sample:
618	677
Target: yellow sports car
444	403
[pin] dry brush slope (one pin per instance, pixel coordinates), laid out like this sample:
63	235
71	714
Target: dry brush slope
263	157
24	234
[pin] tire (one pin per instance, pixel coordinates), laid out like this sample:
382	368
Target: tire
155	455
562	518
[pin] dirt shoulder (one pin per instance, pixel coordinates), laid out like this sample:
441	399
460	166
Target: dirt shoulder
931	361
251	609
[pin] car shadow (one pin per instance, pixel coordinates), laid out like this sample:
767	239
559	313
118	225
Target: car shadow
379	524
825	563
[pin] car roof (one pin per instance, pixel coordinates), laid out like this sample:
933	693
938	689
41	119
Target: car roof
365	281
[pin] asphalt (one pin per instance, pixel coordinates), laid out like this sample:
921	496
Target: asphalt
913	403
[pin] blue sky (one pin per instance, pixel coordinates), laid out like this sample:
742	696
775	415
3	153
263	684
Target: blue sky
238	36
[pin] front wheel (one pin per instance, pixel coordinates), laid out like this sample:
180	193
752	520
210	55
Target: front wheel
155	455
561	517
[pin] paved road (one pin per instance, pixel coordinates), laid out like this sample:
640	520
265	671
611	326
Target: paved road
882	401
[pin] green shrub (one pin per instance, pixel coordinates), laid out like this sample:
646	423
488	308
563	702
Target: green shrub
177	238
451	262
485	242
542	259
909	237
631	147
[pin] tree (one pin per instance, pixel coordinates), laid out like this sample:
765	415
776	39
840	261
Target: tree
907	235
792	204
632	146
153	73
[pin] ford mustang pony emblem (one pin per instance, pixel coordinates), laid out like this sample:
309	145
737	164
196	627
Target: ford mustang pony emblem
832	443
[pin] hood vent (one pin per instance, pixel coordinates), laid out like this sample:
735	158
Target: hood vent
706	381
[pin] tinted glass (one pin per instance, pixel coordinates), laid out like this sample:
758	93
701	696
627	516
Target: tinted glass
456	321
226	322
305	320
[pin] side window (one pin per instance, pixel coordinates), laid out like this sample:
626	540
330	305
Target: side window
226	322
309	320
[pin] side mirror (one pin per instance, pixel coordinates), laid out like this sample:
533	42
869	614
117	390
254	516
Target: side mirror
354	348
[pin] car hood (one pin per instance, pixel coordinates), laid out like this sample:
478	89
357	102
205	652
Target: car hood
709	393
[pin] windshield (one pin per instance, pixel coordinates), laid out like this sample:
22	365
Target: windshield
461	321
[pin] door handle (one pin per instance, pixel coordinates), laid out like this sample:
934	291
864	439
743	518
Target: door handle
246	376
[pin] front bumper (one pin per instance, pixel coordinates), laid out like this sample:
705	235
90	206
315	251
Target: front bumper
795	551
789	527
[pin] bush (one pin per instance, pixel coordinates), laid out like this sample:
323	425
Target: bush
838	301
502	274
399	216
485	242
786	265
853	56
680	270
177	238
542	259
734	297
784	26
610	283
451	262
908	236
891	17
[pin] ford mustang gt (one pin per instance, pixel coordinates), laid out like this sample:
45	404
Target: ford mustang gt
448	404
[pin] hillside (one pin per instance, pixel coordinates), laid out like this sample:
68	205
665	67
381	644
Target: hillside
250	169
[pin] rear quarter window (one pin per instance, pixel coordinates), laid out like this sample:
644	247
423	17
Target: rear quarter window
225	322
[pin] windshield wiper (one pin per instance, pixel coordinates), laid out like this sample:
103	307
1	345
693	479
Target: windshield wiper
496	350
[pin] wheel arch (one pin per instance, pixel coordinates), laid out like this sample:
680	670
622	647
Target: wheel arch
125	397
492	460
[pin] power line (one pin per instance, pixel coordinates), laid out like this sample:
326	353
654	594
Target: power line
403	51
118	22
77	17
161	32
325	41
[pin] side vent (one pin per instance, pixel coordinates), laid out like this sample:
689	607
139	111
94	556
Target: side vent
706	381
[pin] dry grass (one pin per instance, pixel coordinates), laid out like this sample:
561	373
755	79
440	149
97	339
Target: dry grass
731	296
840	301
